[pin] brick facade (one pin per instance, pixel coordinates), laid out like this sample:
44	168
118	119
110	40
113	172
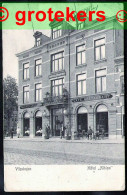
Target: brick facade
113	63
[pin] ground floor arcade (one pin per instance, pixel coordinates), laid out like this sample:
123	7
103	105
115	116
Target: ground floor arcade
100	116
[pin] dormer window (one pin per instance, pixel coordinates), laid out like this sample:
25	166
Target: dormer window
56	32
38	41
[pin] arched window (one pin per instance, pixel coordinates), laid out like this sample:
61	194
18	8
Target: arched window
82	110
102	108
26	115
38	114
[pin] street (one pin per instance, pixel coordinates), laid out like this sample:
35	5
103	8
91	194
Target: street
46	153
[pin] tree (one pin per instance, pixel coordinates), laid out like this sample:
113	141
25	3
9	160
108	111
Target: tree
10	93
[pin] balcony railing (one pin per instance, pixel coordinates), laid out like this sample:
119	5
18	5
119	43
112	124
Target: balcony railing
54	100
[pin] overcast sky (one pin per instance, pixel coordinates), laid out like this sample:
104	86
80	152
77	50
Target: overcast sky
15	41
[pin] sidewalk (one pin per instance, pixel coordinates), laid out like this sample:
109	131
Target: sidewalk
57	139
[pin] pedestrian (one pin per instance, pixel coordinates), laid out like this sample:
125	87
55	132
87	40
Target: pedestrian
90	133
62	131
18	132
97	134
12	131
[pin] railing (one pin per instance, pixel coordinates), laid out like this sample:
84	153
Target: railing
53	100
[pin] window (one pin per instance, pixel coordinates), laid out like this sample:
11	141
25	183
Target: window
99	49
57	87
57	62
81	84
57	32
100	80
38	92
25	71
26	94
81	54
38	41
38	67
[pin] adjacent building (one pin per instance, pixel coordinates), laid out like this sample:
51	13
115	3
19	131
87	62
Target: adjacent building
74	78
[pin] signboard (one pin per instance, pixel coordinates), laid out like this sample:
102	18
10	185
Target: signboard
31	105
92	97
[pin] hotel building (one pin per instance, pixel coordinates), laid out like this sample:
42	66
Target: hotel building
74	78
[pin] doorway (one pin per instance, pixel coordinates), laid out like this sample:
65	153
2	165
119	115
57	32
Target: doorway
82	120
57	121
102	119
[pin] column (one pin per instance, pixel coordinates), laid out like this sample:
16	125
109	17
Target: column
32	128
91	120
20	125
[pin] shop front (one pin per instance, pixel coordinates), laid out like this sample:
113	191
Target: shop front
82	120
102	120
38	123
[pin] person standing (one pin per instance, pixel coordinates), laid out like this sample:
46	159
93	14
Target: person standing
62	131
18	132
12	131
90	133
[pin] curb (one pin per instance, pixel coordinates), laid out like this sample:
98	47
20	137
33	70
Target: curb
67	141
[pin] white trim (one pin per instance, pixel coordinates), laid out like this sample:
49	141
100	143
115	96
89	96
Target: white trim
59	77
55	52
30	56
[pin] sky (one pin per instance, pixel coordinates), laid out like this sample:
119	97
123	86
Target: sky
16	41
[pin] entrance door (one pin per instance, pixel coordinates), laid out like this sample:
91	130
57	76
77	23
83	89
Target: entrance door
57	121
102	119
82	124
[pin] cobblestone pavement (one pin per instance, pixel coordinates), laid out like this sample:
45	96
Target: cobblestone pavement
40	153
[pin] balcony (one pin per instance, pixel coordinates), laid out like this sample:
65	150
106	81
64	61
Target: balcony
55	100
